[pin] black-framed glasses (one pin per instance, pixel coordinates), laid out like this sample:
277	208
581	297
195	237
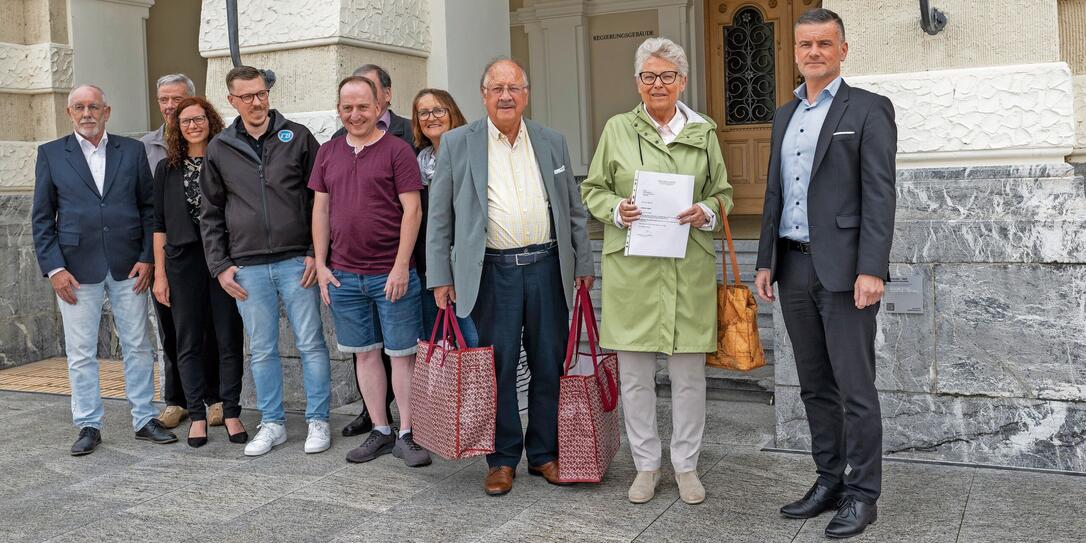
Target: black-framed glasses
198	120
248	98
437	113
667	78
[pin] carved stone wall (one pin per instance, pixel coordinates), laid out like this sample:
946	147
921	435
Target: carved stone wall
397	23
42	66
994	370
994	115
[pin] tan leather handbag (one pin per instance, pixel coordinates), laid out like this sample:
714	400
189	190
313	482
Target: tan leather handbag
738	346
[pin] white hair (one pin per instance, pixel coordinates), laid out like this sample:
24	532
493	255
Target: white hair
101	93
664	49
173	79
499	60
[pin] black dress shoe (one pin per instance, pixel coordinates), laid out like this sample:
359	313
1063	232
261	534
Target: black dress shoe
240	437
197	442
154	432
819	499
89	439
363	424
360	425
852	518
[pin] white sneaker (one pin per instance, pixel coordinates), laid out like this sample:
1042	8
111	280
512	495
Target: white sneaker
319	438
271	434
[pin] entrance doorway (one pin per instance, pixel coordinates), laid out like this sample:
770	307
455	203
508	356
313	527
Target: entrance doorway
751	71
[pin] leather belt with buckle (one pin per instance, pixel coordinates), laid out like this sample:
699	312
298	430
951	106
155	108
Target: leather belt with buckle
794	245
522	256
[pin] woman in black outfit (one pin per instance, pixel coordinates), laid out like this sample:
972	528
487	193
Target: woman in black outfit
205	316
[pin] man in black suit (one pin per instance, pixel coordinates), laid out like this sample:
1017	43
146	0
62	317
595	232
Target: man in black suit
827	227
401	128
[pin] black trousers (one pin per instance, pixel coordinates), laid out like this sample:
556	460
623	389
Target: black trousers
834	345
209	333
172	392
524	301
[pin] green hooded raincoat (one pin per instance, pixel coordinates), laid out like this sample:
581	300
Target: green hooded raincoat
657	304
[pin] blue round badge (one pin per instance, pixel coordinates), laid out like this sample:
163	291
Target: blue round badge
286	135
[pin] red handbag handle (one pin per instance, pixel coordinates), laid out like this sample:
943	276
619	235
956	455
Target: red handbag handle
450	331
582	310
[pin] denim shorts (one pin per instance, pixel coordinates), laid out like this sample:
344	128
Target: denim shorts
366	321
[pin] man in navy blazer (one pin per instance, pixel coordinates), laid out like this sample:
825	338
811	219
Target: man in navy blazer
92	221
827	229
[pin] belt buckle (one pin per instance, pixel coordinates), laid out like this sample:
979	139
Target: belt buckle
516	259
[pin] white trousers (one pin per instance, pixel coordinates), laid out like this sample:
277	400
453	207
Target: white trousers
638	374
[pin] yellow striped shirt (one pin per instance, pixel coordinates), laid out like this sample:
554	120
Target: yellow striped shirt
517	210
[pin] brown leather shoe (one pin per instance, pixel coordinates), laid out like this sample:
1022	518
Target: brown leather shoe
499	480
214	414
172	415
548	471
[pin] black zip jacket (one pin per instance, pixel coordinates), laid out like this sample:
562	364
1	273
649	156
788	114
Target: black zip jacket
257	209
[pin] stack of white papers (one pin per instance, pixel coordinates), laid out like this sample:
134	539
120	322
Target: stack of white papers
660	197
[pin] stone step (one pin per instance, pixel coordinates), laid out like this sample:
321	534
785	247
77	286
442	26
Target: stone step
733	386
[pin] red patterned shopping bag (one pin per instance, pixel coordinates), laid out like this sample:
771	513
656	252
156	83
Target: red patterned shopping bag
454	393
588	417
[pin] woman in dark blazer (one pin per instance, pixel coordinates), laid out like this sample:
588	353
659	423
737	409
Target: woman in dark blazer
205	316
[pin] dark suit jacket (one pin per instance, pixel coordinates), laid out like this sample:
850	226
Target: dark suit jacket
81	230
851	198
397	126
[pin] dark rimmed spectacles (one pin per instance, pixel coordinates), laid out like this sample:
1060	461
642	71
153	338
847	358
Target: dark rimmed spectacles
198	120
248	98
437	113
649	78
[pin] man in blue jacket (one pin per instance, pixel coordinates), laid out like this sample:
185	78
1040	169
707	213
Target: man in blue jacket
92	220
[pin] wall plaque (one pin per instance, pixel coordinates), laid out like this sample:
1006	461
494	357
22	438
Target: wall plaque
905	294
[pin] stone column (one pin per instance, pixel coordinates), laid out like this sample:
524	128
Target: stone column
311	45
990	218
35	77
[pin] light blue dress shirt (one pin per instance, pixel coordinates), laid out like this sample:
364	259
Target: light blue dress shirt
797	159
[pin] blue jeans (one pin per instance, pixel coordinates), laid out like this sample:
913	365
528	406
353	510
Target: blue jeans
81	323
267	285
366	321
429	317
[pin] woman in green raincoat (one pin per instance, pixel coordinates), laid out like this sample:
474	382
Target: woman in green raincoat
660	305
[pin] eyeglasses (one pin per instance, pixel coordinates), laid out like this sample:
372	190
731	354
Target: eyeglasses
198	120
437	113
649	78
80	108
248	98
514	90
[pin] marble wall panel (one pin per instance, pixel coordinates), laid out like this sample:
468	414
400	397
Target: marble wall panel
998	431
1011	330
991	214
904	344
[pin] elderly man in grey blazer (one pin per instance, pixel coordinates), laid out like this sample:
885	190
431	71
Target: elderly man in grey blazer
507	244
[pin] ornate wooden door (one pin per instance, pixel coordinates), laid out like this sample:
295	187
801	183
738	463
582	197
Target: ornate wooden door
751	72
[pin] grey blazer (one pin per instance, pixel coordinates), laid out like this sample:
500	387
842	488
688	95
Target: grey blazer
457	219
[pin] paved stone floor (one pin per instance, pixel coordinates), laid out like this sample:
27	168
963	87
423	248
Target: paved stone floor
136	491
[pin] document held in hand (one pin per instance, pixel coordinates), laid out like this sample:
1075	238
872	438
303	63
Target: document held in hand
660	197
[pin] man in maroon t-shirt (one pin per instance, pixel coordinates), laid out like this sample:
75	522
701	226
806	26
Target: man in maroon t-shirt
367	208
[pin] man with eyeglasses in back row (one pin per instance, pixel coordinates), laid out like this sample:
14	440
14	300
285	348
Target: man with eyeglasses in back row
255	220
